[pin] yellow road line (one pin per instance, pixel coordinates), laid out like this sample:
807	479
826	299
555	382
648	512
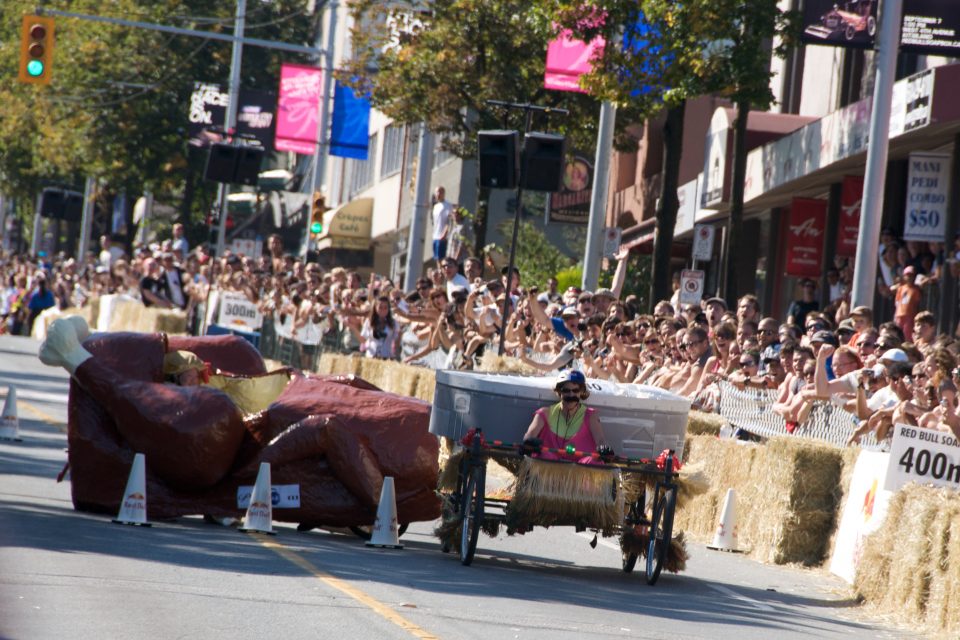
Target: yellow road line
344	587
46	417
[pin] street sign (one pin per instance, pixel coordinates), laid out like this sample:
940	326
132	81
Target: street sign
691	286
703	242
611	241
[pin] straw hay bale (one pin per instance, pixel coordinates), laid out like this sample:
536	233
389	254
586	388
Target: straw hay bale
493	363
911	566
700	423
786	496
848	461
426	384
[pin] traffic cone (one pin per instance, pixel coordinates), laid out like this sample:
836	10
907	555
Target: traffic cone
9	422
385	529
259	516
133	507
725	537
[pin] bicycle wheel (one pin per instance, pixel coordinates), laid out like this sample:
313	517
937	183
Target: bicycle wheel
471	513
661	529
629	561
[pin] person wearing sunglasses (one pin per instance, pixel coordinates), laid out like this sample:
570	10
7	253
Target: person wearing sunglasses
698	354
568	423
747	367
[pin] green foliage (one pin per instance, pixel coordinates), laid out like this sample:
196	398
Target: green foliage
537	259
569	277
118	103
444	59
637	281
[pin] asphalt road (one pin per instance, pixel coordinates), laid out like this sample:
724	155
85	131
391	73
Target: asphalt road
68	574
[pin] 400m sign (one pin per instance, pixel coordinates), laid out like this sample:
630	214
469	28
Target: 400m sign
924	456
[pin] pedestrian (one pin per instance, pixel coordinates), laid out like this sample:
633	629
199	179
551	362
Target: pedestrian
441	224
906	302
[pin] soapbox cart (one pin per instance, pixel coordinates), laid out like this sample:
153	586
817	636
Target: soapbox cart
632	494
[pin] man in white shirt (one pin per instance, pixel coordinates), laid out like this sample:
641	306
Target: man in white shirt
180	247
109	253
455	279
441	224
173	279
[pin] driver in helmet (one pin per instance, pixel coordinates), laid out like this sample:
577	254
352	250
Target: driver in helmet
568	424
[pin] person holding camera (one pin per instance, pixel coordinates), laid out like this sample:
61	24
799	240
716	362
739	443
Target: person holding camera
567	424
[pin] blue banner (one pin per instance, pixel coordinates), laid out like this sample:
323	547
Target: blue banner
351	121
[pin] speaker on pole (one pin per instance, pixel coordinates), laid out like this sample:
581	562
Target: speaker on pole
221	162
543	157
52	202
248	165
498	158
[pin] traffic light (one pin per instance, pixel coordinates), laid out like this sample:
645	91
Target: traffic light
318	207
36	50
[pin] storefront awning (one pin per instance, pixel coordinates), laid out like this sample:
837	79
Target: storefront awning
348	226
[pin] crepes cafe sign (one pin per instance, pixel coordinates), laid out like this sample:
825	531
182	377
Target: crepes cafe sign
807	222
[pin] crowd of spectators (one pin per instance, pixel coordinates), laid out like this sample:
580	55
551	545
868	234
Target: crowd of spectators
883	372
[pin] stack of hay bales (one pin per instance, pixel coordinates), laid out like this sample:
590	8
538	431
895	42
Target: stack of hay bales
704	424
787	496
131	315
912	565
389	375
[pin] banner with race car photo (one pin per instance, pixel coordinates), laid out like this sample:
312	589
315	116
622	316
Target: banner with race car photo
749	409
208	110
929	27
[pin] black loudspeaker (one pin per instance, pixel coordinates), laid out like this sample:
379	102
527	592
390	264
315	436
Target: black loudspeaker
498	158
73	206
221	163
248	165
543	157
51	203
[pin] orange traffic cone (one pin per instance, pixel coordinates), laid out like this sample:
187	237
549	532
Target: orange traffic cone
9	422
385	529
259	516
133	507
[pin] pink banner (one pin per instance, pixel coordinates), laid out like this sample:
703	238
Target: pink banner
567	60
298	107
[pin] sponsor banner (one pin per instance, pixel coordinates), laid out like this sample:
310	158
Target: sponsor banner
864	513
255	116
931	27
567	60
848	229
928	191
282	496
925	456
298	108
808	218
572	202
237	312
691	286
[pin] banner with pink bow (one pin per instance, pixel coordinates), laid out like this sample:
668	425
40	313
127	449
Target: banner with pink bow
298	107
567	60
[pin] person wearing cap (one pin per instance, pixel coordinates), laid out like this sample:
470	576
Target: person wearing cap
817	341
714	308
877	412
906	302
602	299
567	424
798	310
845	331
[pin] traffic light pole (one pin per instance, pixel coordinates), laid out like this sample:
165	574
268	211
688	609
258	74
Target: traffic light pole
37	228
236	60
421	209
86	218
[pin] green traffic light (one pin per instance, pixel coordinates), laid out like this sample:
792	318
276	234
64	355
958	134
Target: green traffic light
35	68
316	227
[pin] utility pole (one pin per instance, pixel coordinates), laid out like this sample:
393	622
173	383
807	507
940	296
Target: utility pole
231	123
86	218
421	209
598	197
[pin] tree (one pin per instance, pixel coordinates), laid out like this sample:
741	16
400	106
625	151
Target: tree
117	106
537	259
671	52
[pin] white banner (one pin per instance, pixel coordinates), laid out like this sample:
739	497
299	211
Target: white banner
928	192
611	241
691	286
864	512
282	496
925	456
236	312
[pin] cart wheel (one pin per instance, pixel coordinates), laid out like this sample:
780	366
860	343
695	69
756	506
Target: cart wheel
661	529
471	514
629	561
365	532
871	26
850	32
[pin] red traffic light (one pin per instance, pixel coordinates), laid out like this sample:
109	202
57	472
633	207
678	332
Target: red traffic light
38	32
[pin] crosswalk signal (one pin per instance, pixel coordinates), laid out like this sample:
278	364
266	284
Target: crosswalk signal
36	50
318	206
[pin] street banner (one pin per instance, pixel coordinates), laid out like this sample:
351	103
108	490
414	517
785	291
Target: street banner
848	230
864	513
208	109
929	27
282	496
349	135
703	241
691	286
925	456
808	219
928	191
298	107
237	312
572	202
567	60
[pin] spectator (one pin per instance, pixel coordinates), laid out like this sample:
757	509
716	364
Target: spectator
797	313
906	302
441	224
179	247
